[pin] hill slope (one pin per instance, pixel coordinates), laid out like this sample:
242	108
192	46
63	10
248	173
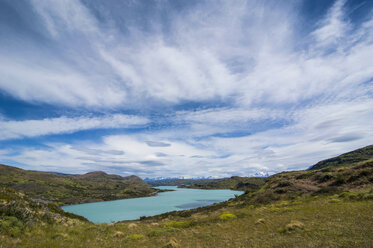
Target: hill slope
19	213
235	183
73	189
358	155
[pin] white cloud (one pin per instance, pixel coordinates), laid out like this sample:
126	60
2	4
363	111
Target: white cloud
66	15
223	116
246	51
333	27
60	125
312	134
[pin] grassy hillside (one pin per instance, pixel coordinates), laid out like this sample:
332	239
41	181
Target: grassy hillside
72	189
327	207
19	213
358	155
325	221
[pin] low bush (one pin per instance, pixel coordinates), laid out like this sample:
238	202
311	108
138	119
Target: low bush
10	225
179	224
284	184
227	216
134	237
323	177
340	180
335	200
267	197
356	196
305	175
328	190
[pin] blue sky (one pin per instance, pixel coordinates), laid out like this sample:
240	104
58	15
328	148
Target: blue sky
183	88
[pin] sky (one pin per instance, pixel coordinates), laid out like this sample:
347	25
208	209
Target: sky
175	88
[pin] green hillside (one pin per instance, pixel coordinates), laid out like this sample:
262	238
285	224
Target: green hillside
358	155
73	189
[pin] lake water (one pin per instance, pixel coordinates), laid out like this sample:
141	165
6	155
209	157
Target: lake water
132	209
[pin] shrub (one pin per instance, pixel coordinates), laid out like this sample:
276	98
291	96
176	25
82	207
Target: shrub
227	216
74	231
11	226
60	236
340	179
349	195
326	169
365	173
185	214
284	184
179	224
368	196
280	191
328	190
335	200
322	178
134	237
267	197
274	209
304	175
356	196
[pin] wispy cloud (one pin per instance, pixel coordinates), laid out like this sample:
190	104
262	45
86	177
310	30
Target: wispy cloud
61	125
333	27
211	51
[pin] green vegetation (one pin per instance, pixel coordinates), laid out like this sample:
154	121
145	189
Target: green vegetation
306	221
227	216
327	207
358	155
134	237
73	189
179	224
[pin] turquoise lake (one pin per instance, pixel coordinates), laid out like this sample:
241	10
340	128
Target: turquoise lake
132	209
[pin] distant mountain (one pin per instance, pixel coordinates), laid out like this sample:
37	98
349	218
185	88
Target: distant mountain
72	189
358	155
172	179
235	182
